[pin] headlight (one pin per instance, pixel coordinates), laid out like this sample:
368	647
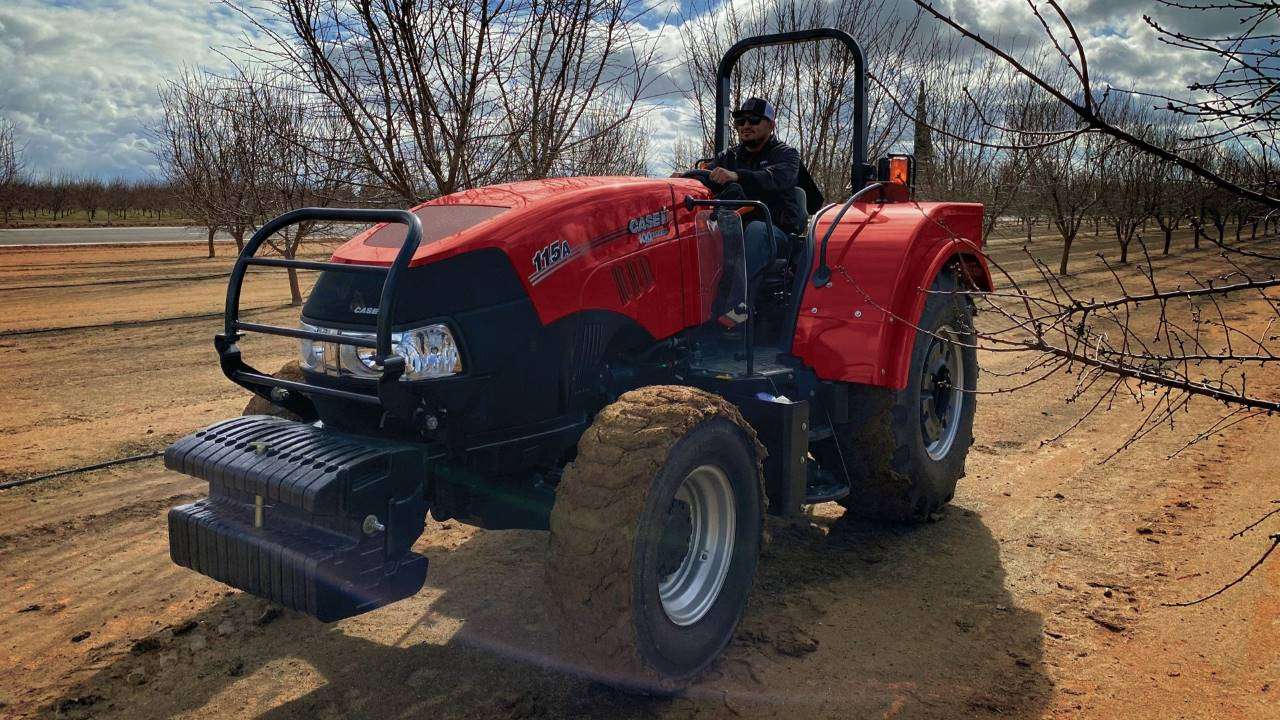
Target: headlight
428	352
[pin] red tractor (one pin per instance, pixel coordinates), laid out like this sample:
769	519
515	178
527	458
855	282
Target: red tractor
544	355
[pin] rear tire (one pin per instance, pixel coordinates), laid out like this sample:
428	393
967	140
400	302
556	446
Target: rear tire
655	536
905	450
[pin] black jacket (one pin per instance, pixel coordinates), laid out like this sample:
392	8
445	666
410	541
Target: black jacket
770	176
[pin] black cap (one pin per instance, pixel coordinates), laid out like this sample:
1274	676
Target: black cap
755	106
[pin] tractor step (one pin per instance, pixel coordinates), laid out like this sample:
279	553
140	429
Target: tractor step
823	486
766	363
817	435
316	520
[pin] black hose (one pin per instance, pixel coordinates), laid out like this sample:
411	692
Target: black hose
71	471
126	281
134	323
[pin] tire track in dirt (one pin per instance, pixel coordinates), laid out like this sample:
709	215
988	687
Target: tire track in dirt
98	523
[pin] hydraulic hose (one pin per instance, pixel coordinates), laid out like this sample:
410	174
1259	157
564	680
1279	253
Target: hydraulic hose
71	471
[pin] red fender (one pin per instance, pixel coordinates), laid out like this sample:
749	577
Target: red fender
861	326
912	295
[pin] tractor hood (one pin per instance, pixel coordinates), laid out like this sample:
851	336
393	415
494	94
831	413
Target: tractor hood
569	244
511	215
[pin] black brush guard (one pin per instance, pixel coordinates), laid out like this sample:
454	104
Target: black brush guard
316	520
294	396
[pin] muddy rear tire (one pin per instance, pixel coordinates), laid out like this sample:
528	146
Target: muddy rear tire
905	449
655	537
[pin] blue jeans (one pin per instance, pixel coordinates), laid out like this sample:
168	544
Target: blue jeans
761	247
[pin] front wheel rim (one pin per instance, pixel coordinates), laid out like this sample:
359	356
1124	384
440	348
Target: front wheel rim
688	593
942	394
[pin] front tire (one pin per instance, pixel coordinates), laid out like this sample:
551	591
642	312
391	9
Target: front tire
655	537
905	449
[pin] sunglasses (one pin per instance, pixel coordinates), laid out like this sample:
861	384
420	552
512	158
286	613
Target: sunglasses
748	120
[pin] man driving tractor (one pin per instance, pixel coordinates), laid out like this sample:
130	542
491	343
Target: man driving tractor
767	170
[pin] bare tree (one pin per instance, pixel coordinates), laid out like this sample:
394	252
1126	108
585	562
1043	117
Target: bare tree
442	95
1129	182
607	147
582	70
686	152
1170	193
195	148
58	195
89	196
12	168
301	162
1065	177
1086	104
210	150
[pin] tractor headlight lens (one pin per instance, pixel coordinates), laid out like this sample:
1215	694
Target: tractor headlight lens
428	352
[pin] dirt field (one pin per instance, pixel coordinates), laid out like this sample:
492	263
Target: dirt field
1037	595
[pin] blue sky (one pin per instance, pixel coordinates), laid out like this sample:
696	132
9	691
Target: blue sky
79	77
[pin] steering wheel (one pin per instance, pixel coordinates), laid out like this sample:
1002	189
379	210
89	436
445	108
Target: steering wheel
704	177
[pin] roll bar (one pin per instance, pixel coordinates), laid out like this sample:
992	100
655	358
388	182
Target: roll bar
861	170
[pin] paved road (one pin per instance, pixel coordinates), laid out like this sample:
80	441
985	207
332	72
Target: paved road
103	235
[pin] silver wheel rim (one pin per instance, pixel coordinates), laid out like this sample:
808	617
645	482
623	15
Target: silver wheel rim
941	392
688	593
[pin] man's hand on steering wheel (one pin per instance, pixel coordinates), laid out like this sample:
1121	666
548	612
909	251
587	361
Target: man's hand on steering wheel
715	180
720	176
704	177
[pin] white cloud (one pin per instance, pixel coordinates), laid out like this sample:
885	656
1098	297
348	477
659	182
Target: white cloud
1121	48
80	79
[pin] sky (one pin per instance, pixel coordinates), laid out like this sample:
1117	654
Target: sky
79	78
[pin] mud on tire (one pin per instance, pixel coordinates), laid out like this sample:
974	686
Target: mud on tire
612	529
892	475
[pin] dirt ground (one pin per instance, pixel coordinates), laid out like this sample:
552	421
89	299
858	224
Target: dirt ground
1038	595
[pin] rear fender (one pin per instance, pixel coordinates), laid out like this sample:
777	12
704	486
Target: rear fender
912	293
859	327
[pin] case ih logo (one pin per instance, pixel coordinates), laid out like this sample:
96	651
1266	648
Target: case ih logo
650	227
359	308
